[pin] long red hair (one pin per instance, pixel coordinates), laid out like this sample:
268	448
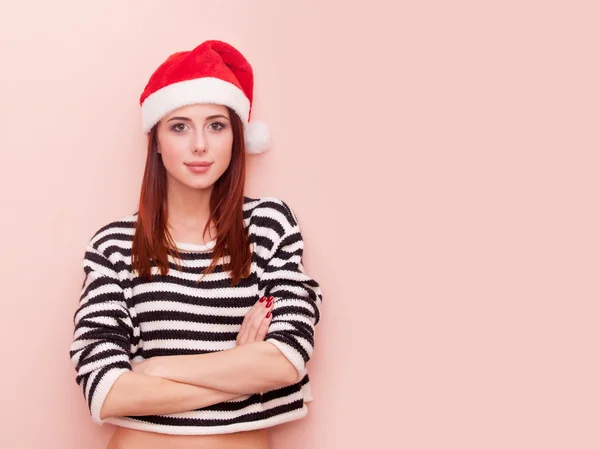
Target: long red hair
152	241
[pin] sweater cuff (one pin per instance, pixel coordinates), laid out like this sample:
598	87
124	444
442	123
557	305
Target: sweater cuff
292	355
102	389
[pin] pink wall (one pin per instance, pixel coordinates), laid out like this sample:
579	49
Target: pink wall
442	161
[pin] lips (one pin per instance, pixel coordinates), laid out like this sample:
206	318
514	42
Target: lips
198	164
198	167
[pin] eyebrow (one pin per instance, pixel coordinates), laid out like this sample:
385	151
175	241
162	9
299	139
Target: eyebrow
187	119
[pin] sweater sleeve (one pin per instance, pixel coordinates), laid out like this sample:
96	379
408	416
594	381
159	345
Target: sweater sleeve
103	331
296	308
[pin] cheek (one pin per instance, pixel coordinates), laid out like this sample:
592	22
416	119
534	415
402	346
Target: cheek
222	149
173	151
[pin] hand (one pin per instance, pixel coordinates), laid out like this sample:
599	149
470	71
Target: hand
256	322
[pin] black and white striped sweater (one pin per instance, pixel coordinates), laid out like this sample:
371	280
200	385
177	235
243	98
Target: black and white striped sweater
122	319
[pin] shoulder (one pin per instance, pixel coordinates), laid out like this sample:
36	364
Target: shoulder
117	232
271	212
109	245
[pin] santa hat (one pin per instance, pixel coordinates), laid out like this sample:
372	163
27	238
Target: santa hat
213	72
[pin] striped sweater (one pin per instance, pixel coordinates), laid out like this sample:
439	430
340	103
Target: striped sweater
122	319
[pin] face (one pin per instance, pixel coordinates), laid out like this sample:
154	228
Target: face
195	143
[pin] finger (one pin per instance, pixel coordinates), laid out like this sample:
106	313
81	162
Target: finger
253	326
244	324
260	305
242	334
242	331
255	308
268	305
264	326
257	321
242	337
257	311
252	320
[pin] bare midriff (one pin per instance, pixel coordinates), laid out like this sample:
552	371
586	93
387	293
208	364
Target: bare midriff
124	438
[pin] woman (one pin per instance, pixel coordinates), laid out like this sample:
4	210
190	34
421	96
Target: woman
196	317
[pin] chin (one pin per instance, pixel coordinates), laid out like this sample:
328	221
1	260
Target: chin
201	185
197	182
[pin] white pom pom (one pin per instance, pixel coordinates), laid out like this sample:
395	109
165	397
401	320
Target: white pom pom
257	137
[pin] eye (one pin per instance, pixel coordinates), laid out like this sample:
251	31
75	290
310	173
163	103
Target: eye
179	127
216	126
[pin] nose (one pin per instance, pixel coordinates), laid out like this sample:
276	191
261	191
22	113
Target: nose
199	143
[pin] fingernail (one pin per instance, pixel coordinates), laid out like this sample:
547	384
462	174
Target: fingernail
268	304
262	299
268	314
271	298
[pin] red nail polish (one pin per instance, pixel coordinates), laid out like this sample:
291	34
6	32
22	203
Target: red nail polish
268	304
262	299
271	298
268	314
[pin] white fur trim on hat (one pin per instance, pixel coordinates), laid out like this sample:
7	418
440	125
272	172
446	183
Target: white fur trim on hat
185	93
257	137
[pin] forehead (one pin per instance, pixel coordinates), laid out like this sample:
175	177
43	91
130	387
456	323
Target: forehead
199	111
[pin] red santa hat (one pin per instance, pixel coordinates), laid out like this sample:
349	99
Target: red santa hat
213	72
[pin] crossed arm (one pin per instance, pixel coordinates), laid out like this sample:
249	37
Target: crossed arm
171	384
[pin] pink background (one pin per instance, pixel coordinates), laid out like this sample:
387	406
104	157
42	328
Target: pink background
442	160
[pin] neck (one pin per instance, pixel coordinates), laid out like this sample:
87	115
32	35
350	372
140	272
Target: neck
188	211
